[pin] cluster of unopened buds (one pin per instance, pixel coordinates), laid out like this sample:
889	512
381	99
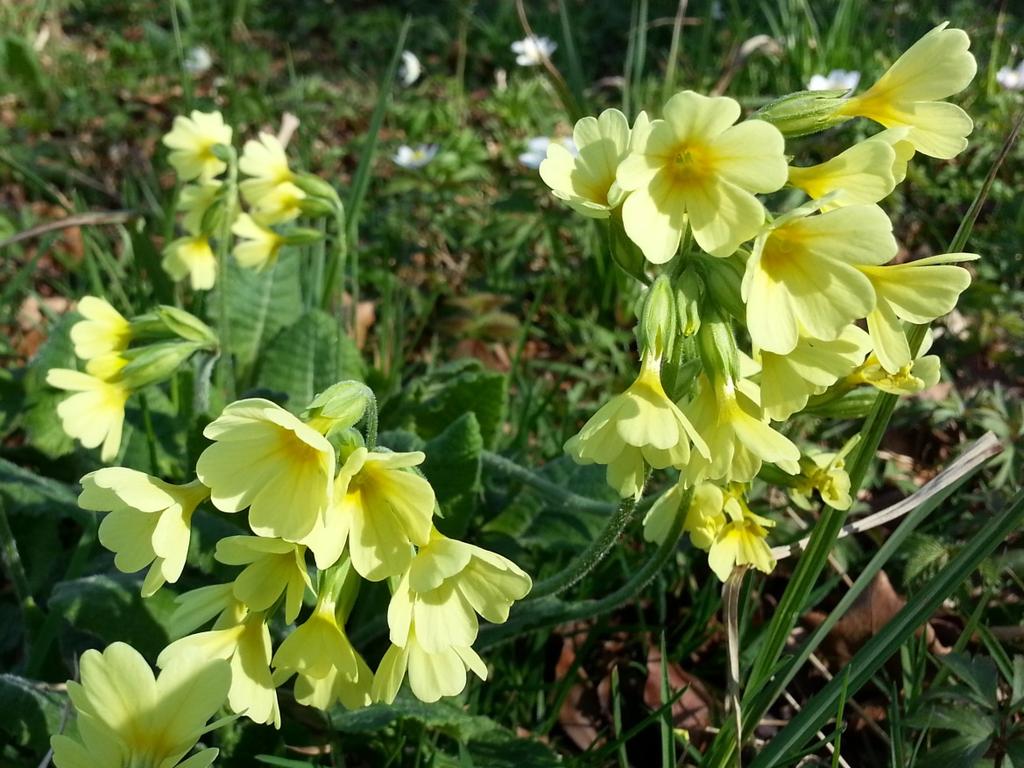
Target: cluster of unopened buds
750	317
312	485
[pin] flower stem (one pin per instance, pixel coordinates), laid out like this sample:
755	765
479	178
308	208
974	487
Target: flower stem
588	559
336	262
225	366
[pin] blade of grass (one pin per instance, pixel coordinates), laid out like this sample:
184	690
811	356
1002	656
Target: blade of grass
576	80
879	648
361	179
673	51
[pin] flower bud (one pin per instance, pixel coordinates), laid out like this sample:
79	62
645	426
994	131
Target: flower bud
314	186
689	293
657	327
717	347
316	206
804	112
221	209
723	278
624	251
186	325
155	362
301	236
339	406
224	152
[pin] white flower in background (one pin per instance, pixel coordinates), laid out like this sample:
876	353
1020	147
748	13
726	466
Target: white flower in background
198	60
1011	78
835	80
537	150
410	70
531	51
413	158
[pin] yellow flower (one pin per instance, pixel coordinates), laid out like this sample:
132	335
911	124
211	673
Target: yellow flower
787	381
195	201
695	165
380	509
191	256
640	425
703	516
265	162
258	246
273	567
860	175
192	140
282	203
738	434
327	665
741	540
246	647
107	366
448	583
128	719
910	379
826	474
910	93
431	675
95	415
266	459
148	522
586	181
103	331
918	292
802	276
903	150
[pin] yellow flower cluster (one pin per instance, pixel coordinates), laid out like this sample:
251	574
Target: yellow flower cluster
815	290
115	367
314	491
202	152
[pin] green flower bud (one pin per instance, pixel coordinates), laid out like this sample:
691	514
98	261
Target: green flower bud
624	251
186	325
689	293
224	152
155	362
301	236
723	279
339	406
657	328
717	346
314	186
804	112
223	207
316	207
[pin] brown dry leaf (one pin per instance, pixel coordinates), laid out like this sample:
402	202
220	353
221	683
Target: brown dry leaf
871	611
578	716
692	710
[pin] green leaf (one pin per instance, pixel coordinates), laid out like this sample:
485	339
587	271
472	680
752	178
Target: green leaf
22	66
260	304
307	357
488	743
26	493
459	388
964	751
453	458
110	608
36	712
980	675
